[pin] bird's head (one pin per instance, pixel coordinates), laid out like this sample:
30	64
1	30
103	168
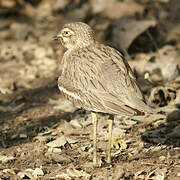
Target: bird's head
75	35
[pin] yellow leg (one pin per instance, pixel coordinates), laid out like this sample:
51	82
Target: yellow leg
110	122
94	121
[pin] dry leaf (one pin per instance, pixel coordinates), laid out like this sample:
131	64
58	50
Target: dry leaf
157	174
5	159
60	141
63	176
77	174
127	29
75	123
162	96
38	172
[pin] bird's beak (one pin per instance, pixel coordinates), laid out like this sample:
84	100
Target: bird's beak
57	37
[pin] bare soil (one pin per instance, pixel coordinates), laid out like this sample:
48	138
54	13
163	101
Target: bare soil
43	136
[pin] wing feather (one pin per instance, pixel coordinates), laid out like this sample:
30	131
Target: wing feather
104	81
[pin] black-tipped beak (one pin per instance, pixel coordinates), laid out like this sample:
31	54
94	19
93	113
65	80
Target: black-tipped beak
55	38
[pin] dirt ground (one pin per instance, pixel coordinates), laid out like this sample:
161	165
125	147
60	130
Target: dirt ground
43	136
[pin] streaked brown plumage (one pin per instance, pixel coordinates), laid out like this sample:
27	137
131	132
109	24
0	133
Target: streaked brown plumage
97	77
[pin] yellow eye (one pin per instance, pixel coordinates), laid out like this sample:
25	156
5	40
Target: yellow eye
66	33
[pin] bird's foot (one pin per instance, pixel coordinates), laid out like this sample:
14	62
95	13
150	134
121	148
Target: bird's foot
119	143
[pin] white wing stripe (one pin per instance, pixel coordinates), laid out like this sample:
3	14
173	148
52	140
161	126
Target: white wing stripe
69	93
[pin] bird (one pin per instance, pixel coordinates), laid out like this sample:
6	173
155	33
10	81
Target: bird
97	78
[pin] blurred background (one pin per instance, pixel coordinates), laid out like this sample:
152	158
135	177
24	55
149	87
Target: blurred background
32	110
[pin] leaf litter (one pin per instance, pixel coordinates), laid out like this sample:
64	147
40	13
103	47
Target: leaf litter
44	136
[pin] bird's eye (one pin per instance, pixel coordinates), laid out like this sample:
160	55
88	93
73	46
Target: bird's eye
66	33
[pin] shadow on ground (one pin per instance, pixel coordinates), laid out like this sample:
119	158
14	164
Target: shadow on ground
166	133
32	117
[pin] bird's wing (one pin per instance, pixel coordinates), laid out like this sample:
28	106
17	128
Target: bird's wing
111	82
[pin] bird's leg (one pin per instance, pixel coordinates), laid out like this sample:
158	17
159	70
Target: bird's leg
110	122
94	121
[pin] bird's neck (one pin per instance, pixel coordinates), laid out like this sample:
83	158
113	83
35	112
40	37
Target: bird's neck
79	45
